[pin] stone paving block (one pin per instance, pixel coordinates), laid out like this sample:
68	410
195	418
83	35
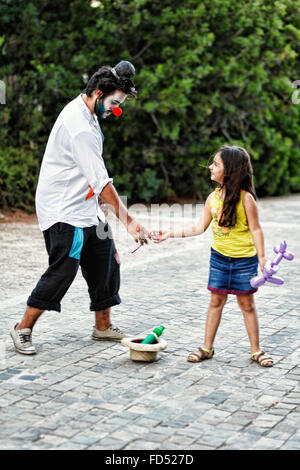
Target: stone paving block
52	440
48	409
239	420
87	438
285	426
240	441
6	444
65	431
93	389
29	434
11	412
171	446
266	443
280	410
280	436
128	433
214	416
291	445
102	427
71	445
108	443
216	397
27	404
181	440
139	444
115	407
267	421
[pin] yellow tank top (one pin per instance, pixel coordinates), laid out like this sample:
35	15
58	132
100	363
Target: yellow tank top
235	241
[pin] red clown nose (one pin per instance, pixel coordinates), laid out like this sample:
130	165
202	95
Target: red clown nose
117	111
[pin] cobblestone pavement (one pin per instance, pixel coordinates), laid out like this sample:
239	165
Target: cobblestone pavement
80	394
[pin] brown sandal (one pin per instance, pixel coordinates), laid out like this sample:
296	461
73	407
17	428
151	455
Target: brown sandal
201	354
261	358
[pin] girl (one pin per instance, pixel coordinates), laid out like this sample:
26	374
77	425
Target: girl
237	249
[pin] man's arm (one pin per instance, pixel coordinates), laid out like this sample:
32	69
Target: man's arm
112	199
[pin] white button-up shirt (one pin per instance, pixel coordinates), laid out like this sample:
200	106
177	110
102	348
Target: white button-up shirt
72	170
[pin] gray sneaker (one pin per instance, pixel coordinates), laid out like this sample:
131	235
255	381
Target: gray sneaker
111	334
22	340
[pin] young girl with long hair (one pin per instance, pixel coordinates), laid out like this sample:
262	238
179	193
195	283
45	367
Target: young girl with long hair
237	249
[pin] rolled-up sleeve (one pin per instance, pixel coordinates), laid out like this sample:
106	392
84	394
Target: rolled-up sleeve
87	153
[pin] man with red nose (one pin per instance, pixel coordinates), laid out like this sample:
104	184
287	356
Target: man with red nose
72	179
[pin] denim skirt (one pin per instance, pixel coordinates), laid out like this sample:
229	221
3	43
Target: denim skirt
231	275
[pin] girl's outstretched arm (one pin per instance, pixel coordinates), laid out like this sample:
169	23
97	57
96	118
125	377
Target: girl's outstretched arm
189	231
251	210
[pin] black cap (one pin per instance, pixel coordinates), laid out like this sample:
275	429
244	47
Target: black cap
125	69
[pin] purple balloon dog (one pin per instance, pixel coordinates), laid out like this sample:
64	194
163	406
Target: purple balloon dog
271	267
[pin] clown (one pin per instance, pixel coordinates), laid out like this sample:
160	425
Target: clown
73	177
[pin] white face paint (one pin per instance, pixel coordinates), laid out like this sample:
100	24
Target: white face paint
113	101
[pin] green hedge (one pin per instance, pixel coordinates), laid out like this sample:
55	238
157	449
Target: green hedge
19	171
209	73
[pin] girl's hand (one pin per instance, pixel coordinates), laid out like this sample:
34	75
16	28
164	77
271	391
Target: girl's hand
160	235
262	262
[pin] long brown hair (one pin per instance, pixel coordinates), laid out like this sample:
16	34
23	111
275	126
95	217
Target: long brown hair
238	175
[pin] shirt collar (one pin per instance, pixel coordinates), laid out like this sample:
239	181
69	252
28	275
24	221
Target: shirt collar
87	113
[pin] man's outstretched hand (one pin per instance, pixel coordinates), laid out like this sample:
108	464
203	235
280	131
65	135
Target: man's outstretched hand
139	233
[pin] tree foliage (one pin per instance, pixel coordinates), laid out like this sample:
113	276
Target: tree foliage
208	72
